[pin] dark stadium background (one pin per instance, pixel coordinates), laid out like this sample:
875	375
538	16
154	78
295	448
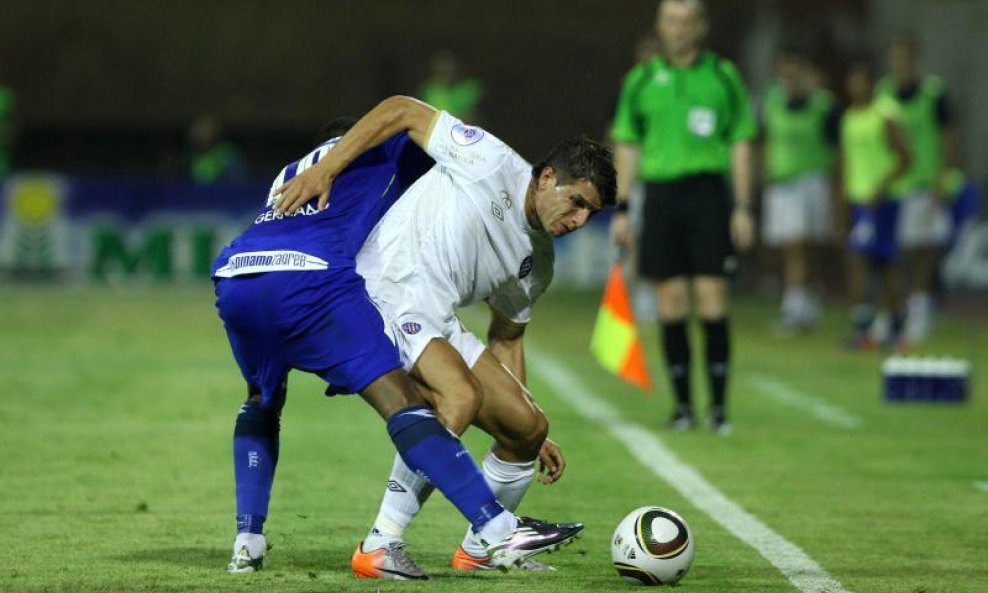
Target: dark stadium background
110	86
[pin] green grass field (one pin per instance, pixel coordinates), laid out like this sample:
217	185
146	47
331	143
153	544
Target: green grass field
118	407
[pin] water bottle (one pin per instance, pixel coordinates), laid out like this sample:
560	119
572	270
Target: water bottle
963	380
892	378
910	379
940	372
925	379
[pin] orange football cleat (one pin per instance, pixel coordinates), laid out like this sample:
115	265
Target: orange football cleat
389	562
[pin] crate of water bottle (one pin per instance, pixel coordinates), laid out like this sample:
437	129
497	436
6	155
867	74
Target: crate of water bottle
926	379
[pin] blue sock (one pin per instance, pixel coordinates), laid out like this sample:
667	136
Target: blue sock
432	451
255	456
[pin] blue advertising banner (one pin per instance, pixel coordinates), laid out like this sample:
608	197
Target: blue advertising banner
131	230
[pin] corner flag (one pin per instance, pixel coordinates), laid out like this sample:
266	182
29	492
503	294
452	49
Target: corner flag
615	340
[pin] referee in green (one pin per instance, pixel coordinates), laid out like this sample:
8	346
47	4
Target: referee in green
684	127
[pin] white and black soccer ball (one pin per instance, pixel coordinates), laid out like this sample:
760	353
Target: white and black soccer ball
652	546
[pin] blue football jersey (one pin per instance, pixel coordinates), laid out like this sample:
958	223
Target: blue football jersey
314	240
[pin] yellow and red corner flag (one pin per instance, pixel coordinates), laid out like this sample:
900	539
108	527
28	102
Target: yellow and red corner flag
615	340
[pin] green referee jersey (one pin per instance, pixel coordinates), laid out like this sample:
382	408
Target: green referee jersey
795	139
685	119
919	119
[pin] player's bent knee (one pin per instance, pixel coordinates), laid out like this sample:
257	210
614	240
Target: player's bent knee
538	433
524	439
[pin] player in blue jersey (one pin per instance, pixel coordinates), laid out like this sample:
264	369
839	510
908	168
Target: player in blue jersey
289	297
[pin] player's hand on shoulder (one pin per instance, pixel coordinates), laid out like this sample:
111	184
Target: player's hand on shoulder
309	184
552	463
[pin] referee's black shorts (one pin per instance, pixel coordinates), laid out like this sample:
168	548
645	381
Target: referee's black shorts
685	229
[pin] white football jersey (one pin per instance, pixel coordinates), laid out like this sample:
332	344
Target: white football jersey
459	235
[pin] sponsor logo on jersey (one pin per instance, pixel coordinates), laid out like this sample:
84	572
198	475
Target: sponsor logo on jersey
466	135
506	199
702	121
255	262
526	267
411	328
497	211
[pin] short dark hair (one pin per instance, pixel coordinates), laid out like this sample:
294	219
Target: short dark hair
582	158
335	128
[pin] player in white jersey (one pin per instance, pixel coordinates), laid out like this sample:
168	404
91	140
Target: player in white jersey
478	226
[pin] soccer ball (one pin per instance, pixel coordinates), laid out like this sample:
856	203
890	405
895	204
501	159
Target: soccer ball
652	546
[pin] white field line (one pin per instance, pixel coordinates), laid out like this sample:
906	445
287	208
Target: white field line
821	410
982	486
801	570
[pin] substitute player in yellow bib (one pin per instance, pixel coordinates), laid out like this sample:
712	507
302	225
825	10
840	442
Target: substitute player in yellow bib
924	221
873	158
799	132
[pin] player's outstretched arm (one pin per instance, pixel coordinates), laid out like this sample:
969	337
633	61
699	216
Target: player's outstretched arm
390	116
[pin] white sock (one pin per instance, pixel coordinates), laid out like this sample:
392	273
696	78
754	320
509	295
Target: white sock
497	529
256	544
788	303
509	481
403	499
919	315
881	327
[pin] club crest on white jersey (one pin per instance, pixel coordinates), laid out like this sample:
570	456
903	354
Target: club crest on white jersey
466	135
411	328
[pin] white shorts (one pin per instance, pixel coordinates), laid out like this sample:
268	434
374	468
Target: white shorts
414	336
416	321
921	223
798	210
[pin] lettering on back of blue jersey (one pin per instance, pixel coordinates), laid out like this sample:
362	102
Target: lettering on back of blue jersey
269	214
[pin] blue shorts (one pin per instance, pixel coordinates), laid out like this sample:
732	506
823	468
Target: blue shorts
873	231
322	322
965	206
